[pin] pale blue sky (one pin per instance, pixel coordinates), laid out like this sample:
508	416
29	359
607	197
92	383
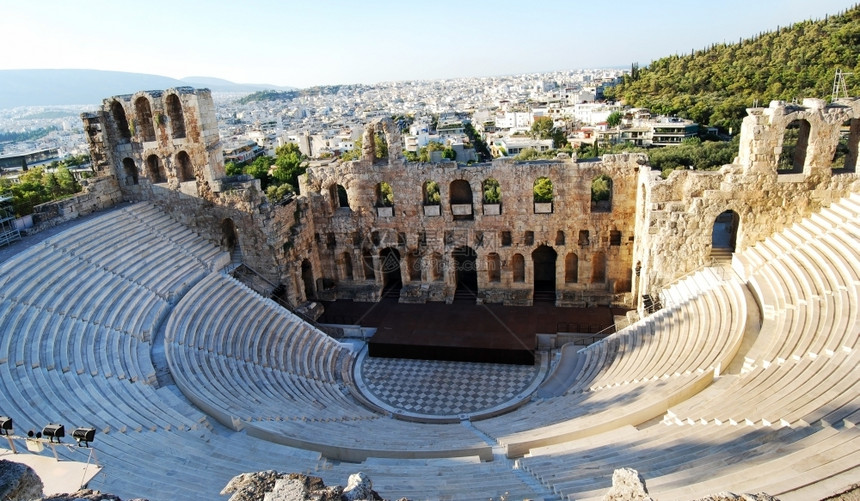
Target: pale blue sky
330	42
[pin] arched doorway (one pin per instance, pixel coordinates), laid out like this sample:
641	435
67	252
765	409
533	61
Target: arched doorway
308	279
467	273
184	169
130	170
544	258
229	239
155	170
725	234
392	280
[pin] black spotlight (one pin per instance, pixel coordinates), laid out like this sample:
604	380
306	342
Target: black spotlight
5	425
53	431
84	436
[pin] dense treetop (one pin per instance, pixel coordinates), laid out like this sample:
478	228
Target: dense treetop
715	85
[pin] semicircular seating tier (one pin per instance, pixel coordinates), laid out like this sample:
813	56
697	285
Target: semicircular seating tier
637	373
785	422
770	409
253	365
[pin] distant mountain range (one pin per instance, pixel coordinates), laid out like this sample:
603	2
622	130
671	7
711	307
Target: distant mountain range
59	87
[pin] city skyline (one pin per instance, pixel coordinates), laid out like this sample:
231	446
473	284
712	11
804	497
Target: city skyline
331	42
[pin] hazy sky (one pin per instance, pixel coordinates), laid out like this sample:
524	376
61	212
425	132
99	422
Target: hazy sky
328	42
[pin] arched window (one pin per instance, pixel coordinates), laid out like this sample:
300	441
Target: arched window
494	267
492	191
143	112
437	267
542	195
845	156
571	268
598	267
518	264
601	194
794	144
155	170
176	116
130	170
384	195
118	114
339	198
346	265
380	144
430	191
184	169
413	261
460	198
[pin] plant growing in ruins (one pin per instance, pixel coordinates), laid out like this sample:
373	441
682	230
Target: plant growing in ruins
492	193
431	193
543	190
160	119
384	195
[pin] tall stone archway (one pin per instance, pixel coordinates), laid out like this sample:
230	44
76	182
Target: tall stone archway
544	259
143	112
308	279
465	266
155	170
392	278
184	169
229	237
724	234
177	117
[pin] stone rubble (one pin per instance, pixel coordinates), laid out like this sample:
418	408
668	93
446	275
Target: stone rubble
18	482
627	485
274	486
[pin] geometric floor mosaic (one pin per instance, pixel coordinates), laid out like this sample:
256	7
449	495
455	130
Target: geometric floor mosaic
439	388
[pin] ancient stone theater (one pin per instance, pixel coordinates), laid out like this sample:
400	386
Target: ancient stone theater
185	318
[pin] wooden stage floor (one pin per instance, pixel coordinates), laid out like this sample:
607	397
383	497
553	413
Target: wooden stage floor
462	331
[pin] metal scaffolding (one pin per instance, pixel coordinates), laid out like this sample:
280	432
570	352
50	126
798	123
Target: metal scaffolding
8	231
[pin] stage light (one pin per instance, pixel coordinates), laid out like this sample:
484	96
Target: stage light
5	425
53	431
84	435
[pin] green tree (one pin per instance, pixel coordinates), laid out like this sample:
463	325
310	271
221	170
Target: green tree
289	165
431	193
492	192
543	190
386	194
542	128
601	188
380	146
232	169
259	168
614	119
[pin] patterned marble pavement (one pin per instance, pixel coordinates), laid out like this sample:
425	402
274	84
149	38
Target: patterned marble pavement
439	388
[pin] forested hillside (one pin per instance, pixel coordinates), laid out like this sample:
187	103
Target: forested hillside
715	85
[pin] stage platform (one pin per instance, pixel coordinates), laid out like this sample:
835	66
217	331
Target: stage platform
462	331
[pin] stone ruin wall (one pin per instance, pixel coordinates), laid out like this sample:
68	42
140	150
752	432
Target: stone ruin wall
677	214
417	236
665	225
133	136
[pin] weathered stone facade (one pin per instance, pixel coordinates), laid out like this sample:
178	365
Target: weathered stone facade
360	226
676	216
585	251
